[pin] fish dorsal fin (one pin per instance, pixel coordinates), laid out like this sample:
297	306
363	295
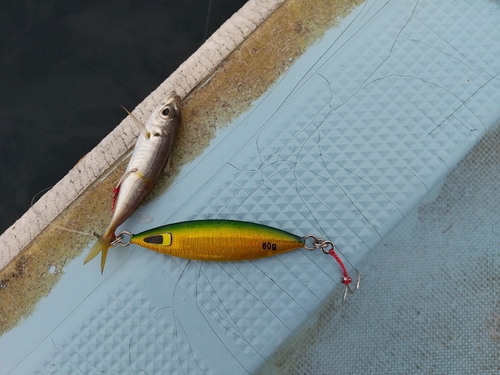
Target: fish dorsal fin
138	123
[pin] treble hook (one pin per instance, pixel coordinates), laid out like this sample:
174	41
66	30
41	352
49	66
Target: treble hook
319	243
346	280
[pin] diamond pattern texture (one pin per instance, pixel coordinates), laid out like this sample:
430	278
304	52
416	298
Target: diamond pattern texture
369	128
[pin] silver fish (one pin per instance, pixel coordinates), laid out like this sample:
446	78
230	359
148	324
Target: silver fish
151	156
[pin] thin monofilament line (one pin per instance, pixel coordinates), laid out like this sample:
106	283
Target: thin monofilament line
51	223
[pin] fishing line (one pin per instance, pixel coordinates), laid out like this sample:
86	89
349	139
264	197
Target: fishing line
205	34
51	223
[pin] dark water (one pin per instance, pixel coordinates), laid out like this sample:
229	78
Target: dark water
65	69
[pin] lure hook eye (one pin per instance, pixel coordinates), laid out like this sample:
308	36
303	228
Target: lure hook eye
119	240
317	243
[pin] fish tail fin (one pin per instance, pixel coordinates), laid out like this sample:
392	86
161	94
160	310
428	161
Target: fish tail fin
104	254
102	245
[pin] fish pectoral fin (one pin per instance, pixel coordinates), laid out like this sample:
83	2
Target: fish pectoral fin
168	165
138	123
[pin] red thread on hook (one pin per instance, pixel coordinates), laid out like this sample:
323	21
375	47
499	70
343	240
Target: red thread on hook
346	279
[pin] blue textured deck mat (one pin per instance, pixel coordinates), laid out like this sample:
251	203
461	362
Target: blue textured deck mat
344	146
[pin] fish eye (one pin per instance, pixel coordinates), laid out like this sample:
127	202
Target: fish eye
167	111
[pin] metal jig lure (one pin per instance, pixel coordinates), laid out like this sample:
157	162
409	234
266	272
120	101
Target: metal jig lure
228	240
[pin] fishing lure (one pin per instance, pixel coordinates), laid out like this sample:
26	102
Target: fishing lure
152	155
228	240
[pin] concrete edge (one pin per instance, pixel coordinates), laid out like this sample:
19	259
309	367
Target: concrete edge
116	144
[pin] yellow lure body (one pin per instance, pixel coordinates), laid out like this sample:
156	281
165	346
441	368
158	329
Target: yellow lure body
218	240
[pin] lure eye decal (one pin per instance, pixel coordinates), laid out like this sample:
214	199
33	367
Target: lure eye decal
159	239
